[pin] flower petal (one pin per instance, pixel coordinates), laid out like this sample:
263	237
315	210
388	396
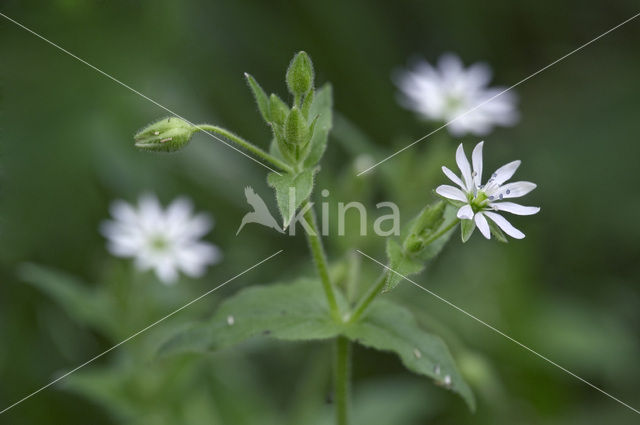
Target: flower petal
447	172
465	212
504	225
504	173
476	159
514	190
451	192
514	208
482	224
465	168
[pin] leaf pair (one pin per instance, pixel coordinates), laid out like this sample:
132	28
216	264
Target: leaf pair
298	312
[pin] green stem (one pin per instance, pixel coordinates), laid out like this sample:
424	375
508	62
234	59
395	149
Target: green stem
342	378
376	289
320	260
246	145
371	294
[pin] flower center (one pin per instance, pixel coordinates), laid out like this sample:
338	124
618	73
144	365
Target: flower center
453	103
479	201
159	243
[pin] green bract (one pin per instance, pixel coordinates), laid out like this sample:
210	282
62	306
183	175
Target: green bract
167	135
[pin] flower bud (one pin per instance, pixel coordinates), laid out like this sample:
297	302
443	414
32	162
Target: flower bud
300	74
167	135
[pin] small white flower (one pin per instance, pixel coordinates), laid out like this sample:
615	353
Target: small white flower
478	202
167	241
449	92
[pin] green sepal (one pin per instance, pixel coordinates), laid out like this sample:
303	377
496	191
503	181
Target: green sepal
285	185
497	232
467	227
278	110
260	96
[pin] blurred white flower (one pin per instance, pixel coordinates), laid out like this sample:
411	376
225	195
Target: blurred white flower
477	202
449	92
166	241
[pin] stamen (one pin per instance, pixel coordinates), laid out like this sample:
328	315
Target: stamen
508	191
501	196
491	198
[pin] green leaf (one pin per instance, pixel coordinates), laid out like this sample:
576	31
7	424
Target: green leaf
289	312
261	97
467	226
321	107
299	312
390	327
400	263
81	303
288	186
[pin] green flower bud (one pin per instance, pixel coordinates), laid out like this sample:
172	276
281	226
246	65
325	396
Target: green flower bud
300	74
167	135
429	219
278	110
296	130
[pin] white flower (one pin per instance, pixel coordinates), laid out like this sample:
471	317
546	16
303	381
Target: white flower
478	202
166	241
449	92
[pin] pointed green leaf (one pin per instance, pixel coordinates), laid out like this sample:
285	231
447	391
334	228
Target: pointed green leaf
390	327
321	107
260	96
291	191
299	312
400	263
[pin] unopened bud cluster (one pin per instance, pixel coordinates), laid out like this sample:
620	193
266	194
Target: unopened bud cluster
292	126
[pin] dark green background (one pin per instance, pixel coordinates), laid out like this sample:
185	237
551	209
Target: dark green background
569	290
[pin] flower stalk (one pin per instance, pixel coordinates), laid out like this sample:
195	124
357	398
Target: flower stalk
342	378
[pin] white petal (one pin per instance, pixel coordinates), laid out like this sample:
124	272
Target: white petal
476	159
167	272
504	173
514	208
451	192
465	168
482	224
447	172
505	225
465	212
515	189
124	212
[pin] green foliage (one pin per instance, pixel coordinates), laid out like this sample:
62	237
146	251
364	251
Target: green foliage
321	107
429	232
260	96
299	312
467	226
291	191
166	135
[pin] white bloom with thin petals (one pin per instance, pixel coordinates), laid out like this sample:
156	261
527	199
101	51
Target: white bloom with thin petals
165	241
449	93
480	202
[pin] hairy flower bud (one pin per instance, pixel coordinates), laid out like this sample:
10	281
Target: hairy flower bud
167	135
300	74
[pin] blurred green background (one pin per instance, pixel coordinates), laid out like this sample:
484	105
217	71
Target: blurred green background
569	290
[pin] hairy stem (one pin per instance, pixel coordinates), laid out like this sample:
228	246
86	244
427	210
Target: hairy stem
246	145
342	378
320	260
